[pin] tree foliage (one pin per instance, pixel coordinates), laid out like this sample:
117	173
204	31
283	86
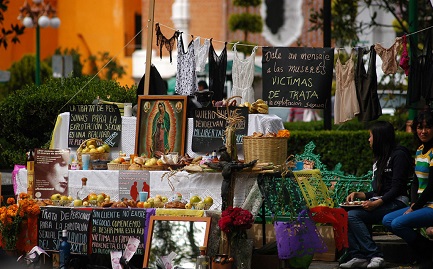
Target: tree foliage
246	22
8	33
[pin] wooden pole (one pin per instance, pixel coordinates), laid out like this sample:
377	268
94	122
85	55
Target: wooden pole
150	25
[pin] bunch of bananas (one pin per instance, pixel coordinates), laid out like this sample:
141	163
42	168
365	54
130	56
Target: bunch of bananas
259	106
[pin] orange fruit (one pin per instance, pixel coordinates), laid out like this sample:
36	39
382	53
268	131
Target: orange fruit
140	204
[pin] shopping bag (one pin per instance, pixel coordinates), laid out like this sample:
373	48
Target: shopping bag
299	237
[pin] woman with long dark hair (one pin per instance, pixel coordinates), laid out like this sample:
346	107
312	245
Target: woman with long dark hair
403	222
392	168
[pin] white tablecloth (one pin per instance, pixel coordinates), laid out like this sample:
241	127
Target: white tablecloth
127	139
202	184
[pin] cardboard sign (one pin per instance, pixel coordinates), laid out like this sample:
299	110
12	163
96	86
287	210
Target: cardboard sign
112	228
297	77
53	220
131	182
101	121
209	127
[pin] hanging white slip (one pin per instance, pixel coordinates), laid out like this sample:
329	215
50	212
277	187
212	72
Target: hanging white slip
201	53
243	76
186	78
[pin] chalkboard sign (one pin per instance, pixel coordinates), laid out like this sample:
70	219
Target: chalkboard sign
53	220
297	77
209	127
101	121
111	229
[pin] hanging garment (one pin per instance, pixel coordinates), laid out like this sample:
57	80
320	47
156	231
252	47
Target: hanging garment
186	78
389	56
157	85
366	87
346	104
201	53
217	71
162	41
243	76
420	85
404	59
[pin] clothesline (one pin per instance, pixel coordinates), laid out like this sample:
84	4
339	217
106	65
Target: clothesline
241	44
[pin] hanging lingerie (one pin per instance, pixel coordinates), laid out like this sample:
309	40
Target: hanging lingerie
201	54
404	59
366	87
217	71
243	76
346	104
420	85
186	78
162	41
388	56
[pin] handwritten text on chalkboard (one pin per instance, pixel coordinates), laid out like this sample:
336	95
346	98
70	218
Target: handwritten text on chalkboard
101	121
112	228
53	220
297	77
209	127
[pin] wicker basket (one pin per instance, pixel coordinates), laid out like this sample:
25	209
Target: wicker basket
93	156
265	149
117	166
154	167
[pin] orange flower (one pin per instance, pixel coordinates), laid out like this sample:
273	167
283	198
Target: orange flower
10	201
283	133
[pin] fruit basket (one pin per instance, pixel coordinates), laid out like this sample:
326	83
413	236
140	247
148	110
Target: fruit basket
117	166
96	148
265	149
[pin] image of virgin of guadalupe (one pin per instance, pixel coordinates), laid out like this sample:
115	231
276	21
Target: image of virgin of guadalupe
160	130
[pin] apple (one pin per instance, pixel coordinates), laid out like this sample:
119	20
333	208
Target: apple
70	198
200	205
100	198
85	203
164	199
194	199
93	197
151	201
146	205
78	202
188	206
56	196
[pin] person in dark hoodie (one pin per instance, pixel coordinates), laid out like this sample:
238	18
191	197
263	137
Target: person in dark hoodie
406	222
392	170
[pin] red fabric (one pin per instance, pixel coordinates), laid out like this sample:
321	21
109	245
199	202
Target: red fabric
338	218
404	60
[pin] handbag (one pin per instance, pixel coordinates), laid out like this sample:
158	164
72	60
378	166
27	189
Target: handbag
299	237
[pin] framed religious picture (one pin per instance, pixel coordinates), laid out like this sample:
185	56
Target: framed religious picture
161	124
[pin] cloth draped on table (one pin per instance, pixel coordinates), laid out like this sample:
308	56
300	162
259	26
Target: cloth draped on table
338	218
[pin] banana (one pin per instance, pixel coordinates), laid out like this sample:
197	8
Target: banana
262	110
263	105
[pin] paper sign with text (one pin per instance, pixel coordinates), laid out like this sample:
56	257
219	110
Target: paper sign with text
131	182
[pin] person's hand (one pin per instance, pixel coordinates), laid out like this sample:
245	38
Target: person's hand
351	197
371	205
408	211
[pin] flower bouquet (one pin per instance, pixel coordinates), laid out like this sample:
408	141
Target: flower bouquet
234	223
13	216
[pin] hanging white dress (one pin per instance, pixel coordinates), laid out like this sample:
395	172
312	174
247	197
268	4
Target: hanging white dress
243	76
186	78
201	54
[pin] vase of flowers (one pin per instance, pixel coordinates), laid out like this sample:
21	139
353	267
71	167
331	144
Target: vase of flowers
13	216
234	224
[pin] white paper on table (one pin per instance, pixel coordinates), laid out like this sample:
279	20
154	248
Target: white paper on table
131	248
115	259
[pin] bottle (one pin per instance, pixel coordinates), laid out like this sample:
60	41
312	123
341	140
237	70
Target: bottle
83	192
30	174
64	250
214	158
203	261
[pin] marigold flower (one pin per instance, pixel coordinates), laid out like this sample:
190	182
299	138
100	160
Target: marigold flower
283	133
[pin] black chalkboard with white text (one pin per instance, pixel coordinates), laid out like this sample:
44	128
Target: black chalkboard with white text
297	77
